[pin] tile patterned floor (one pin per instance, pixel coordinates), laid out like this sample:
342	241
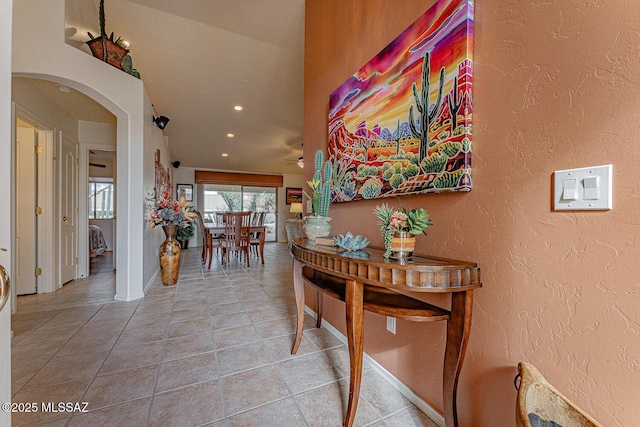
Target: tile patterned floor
214	350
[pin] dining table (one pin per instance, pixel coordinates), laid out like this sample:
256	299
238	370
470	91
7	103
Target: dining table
260	230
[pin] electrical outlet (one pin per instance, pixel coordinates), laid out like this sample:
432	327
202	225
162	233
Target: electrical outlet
391	324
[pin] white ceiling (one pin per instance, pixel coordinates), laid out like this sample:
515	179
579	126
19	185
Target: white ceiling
200	58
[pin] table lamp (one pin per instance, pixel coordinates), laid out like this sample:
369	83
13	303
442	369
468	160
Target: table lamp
296	208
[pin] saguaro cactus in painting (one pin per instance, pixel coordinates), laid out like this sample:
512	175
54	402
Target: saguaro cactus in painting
422	105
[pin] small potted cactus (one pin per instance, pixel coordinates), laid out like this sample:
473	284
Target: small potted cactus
317	225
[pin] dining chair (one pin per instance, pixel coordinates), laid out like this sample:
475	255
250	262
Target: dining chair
236	235
207	240
254	242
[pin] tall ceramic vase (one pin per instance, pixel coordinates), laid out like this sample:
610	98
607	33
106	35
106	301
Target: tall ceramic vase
317	226
170	256
402	245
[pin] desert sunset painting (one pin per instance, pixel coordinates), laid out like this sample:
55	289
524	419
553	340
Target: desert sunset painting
402	124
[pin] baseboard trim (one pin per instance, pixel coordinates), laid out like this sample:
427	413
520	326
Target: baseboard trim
153	277
396	383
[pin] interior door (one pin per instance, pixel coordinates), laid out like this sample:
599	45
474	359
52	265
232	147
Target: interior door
68	210
6	180
25	278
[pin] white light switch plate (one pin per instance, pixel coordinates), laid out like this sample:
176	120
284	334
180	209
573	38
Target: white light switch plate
596	180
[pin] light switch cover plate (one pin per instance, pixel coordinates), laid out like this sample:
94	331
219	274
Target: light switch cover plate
593	193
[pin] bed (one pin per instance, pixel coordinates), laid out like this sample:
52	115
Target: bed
97	244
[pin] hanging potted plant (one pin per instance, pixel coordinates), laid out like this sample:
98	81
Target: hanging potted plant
317	225
106	48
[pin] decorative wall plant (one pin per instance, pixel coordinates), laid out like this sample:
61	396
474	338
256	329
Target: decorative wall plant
402	124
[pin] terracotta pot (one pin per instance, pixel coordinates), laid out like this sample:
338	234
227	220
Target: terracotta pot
107	51
170	256
402	245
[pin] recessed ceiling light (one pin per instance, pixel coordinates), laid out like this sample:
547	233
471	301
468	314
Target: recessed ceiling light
225	155
238	108
230	135
64	89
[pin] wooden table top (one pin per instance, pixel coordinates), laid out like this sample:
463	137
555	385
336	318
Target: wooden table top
419	274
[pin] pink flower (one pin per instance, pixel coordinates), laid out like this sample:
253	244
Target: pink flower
398	221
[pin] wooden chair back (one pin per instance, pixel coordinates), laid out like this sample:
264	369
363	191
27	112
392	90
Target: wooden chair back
236	233
258	219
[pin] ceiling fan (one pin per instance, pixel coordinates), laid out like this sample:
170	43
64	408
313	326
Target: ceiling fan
299	161
97	165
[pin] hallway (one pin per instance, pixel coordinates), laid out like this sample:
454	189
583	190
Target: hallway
213	350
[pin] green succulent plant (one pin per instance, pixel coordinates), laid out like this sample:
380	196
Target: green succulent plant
392	220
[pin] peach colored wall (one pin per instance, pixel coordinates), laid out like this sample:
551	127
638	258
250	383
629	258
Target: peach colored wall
557	86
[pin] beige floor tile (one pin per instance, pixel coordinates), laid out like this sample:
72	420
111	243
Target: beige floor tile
322	338
281	413
189	327
133	336
242	358
307	372
67	392
226	308
189	314
276	328
411	417
235	336
190	406
124	358
189	345
230	320
327	406
197	302
74	368
132	413
384	398
186	371
280	347
80	344
148	319
119	387
265	314
251	389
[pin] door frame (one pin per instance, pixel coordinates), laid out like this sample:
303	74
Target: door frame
83	210
47	257
6	177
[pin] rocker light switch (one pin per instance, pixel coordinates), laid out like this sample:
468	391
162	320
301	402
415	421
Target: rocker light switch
570	189
591	188
583	189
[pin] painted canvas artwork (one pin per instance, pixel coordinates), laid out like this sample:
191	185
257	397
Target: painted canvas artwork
402	124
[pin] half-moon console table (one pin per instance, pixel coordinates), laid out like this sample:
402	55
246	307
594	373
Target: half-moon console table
365	281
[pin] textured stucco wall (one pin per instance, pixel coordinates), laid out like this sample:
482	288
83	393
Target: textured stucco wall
557	86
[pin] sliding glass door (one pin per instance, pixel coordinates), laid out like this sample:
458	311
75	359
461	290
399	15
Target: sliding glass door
236	198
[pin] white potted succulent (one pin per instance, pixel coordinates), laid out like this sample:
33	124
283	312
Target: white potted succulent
317	224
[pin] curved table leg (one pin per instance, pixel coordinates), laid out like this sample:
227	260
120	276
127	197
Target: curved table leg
355	336
298	288
458	329
319	302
